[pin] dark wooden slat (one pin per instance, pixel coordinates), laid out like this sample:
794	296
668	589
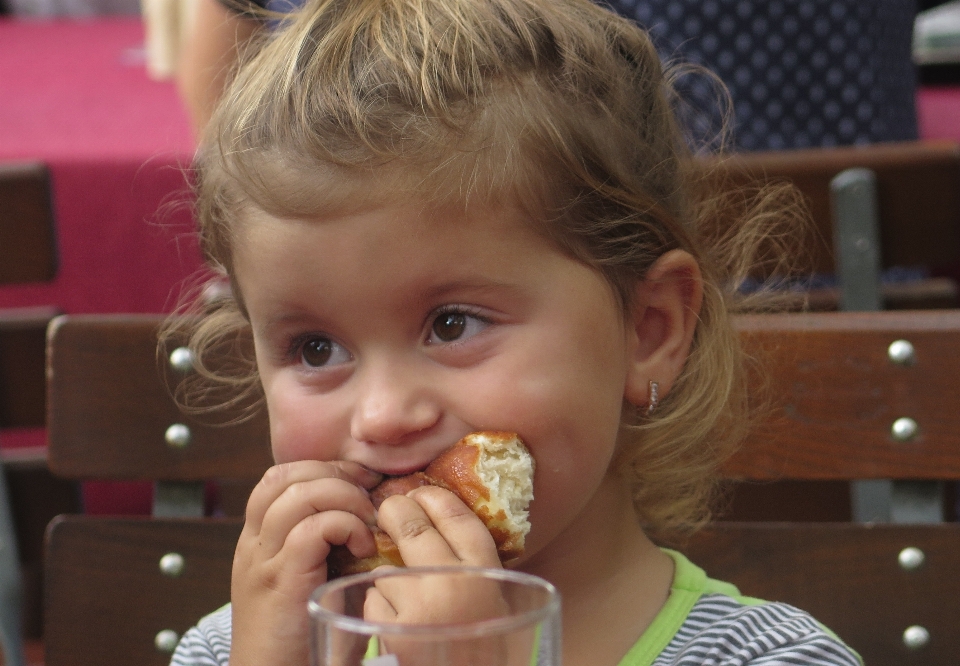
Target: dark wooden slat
23	388
27	244
918	187
908	321
36	497
792	501
110	407
849	578
106	598
835	395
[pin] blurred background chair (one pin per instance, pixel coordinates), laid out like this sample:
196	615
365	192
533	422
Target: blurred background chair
913	247
27	254
27	242
86	8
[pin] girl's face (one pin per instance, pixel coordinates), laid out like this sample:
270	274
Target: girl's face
385	336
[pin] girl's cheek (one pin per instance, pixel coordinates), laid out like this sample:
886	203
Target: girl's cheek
302	446
296	422
298	434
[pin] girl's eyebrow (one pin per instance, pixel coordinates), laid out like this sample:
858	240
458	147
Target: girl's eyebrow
472	287
286	319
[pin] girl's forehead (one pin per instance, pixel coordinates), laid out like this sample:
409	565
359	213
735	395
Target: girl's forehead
398	249
396	257
398	244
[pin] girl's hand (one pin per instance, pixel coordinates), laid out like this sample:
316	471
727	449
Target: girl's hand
432	527
294	515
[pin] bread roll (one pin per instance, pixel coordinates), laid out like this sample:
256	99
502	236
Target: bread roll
491	472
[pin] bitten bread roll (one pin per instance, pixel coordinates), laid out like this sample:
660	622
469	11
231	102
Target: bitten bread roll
491	472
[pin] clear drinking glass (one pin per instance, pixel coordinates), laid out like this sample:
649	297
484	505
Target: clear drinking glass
448	616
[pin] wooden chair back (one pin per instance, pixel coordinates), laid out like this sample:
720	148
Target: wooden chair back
111	597
837	384
23	389
837	390
834	394
33	496
121	590
111	409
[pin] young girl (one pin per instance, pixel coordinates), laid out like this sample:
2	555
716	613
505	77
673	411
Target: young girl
444	216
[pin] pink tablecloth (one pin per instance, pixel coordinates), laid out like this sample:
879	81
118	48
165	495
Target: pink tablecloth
74	94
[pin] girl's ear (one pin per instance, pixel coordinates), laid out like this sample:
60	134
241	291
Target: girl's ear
661	323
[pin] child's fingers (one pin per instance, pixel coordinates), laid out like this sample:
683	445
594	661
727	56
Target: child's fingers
432	527
303	499
304	552
376	608
308	544
437	598
460	528
279	477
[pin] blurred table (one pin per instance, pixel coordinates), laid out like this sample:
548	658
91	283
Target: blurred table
75	95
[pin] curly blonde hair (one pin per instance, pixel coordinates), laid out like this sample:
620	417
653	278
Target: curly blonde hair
559	106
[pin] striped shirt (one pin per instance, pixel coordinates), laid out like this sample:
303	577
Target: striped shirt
704	623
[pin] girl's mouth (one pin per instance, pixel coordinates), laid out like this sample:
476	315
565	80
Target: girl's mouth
396	472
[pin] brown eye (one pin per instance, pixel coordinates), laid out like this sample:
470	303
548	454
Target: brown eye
316	352
449	326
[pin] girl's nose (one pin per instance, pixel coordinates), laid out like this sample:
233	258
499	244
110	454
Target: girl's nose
393	404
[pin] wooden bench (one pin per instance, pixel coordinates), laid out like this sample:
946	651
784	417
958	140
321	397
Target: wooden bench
113	590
